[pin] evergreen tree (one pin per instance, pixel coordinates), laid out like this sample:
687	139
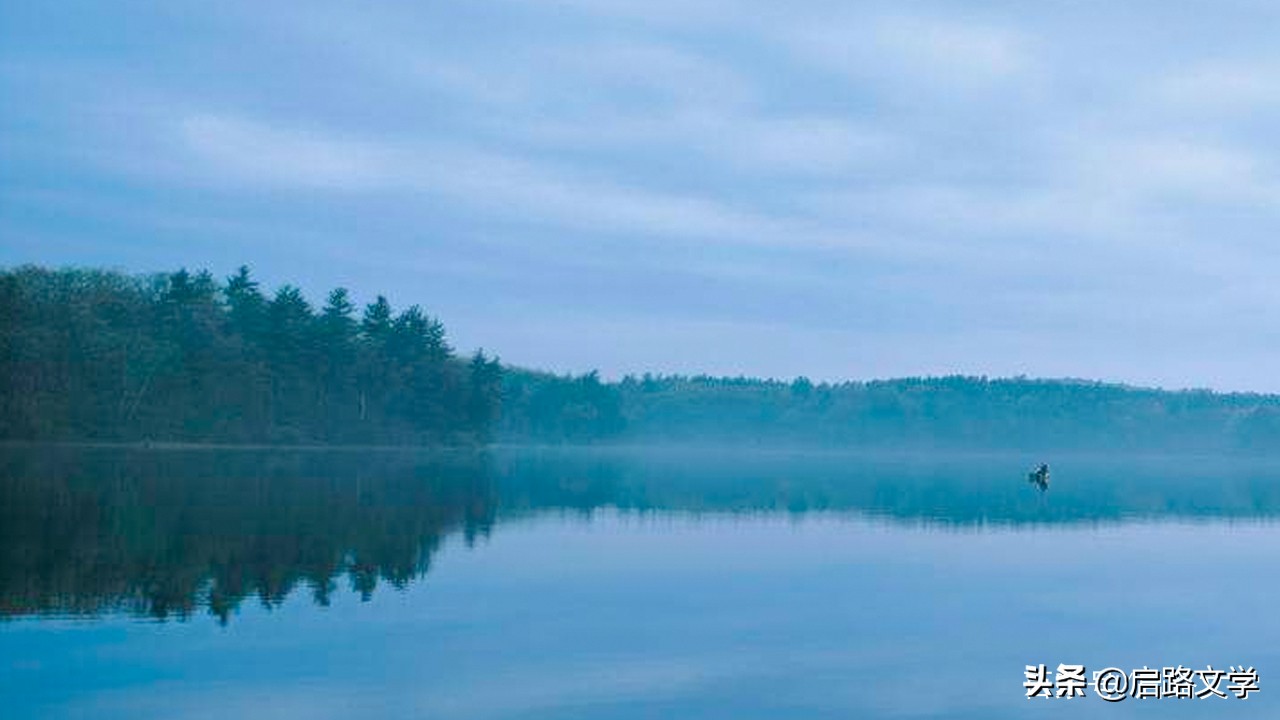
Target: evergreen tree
98	355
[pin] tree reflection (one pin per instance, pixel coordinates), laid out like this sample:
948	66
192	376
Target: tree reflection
165	533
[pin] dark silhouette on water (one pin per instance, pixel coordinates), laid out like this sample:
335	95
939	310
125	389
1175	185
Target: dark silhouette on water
1040	477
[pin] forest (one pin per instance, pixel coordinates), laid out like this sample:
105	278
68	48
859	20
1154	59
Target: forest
92	355
948	413
945	413
97	355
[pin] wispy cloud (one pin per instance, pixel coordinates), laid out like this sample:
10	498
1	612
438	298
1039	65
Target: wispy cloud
877	172
946	55
964	53
241	152
245	152
1216	87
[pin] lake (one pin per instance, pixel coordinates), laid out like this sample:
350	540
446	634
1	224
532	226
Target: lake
624	583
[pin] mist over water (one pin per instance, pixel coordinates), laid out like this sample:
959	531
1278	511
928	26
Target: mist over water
620	582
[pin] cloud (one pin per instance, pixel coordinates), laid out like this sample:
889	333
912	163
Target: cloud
254	153
1144	170
662	13
870	172
960	52
1217	87
645	74
803	145
946	55
236	151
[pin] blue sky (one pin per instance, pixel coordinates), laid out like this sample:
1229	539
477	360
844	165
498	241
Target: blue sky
840	190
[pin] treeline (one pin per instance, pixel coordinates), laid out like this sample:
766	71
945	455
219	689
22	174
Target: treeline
96	355
542	407
948	412
93	355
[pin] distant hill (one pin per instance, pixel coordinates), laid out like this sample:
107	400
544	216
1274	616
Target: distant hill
946	412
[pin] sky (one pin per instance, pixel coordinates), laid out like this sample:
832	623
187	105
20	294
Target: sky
839	190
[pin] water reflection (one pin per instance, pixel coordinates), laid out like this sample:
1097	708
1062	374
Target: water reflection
169	533
935	489
165	533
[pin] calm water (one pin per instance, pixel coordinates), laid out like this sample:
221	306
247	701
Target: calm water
622	584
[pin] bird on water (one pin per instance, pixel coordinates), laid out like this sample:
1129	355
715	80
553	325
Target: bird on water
1039	476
